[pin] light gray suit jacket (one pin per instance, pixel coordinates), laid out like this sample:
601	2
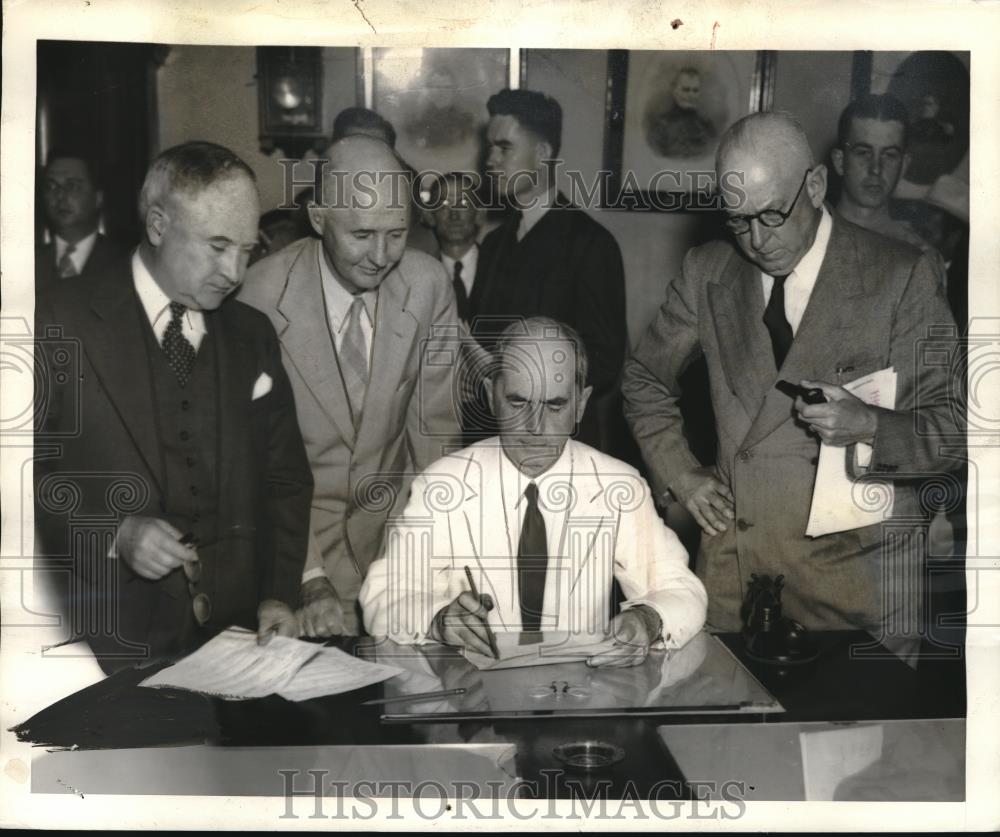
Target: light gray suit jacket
874	305
410	415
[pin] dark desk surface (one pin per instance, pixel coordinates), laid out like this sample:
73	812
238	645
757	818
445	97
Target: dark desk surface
839	686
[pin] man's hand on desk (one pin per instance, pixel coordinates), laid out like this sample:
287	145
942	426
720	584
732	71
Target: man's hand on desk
321	614
463	623
275	618
151	547
707	498
843	420
634	630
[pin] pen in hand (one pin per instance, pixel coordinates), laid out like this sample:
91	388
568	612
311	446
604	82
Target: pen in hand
489	632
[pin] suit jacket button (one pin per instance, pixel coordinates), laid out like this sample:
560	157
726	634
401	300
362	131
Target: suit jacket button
743	525
814	461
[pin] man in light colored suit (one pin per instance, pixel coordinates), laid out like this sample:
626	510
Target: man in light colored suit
369	337
545	525
801	295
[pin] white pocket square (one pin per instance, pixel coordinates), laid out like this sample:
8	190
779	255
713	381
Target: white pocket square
262	386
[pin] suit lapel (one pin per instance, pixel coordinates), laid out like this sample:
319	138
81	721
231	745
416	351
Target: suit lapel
816	344
393	344
117	352
737	306
234	391
308	344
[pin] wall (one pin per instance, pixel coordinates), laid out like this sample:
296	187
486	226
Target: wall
813	86
210	93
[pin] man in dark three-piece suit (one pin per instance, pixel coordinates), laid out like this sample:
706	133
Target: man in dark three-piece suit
171	476
807	297
72	200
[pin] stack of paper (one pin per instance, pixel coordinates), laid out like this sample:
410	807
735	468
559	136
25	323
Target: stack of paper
839	503
234	667
539	649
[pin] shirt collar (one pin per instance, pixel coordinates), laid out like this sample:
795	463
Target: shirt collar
156	303
339	299
81	250
515	481
467	259
809	265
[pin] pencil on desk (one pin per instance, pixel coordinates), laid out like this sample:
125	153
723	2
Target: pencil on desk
489	631
420	696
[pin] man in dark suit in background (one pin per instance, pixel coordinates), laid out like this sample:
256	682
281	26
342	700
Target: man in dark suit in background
72	199
802	295
176	485
549	258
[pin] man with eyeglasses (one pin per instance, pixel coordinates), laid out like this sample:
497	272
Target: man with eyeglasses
801	295
172	485
72	200
870	158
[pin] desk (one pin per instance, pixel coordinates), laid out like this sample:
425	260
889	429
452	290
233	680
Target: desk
834	688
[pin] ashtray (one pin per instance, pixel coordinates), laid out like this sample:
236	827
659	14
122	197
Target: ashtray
588	755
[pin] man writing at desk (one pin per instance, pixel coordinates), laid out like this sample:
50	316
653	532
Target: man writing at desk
543	522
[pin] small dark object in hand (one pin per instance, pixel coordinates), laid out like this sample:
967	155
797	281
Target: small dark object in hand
768	636
811	395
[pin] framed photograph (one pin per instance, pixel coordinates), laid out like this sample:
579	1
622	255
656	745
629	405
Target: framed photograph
436	99
665	113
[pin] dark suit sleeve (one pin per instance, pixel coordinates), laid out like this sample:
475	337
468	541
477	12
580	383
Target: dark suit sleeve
924	433
650	385
288	485
600	305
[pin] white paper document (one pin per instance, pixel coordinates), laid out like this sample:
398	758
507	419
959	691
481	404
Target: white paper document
839	503
233	666
830	756
547	648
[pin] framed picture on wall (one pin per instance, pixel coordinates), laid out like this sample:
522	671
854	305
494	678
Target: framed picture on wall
436	100
666	111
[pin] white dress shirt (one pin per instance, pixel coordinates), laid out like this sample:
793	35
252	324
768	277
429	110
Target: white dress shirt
81	250
468	509
801	281
338	305
469	263
156	304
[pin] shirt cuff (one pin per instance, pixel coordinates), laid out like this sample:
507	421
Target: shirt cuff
862	455
314	572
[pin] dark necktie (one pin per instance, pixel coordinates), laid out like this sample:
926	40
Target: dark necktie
461	297
777	325
180	353
532	561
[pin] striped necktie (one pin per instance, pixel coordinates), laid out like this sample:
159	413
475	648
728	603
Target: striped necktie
354	359
66	267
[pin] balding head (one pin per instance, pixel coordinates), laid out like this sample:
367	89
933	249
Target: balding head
362	211
765	165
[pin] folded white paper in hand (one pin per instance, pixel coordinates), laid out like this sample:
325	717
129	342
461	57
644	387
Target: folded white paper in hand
839	503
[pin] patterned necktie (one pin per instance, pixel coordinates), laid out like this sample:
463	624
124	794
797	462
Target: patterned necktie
66	267
461	297
777	325
354	359
180	353
532	561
